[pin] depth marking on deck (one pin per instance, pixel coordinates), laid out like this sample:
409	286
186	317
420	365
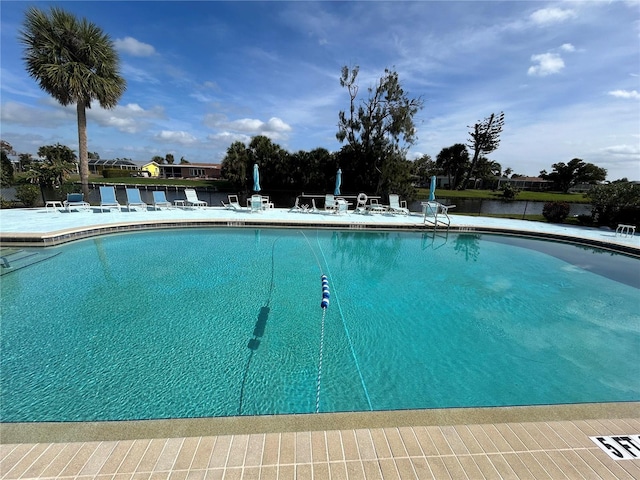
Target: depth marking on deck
619	447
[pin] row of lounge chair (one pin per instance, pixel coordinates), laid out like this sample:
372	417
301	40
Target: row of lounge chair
256	203
108	200
340	205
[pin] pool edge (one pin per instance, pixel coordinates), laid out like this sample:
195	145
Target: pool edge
57	432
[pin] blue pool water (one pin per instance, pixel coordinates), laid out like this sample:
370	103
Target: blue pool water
201	323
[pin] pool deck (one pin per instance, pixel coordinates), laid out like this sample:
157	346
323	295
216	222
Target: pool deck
510	442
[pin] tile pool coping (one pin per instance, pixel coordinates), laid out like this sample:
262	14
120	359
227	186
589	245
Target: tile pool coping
44	432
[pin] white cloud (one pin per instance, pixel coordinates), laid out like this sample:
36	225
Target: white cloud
547	16
547	64
22	114
625	94
632	151
129	118
567	47
169	136
134	47
274	128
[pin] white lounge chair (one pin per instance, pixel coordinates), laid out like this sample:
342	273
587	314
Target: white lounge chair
75	201
375	207
134	199
299	208
395	206
233	203
108	198
160	200
192	198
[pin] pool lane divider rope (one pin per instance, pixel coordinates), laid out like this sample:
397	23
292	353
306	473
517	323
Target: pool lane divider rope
346	330
324	304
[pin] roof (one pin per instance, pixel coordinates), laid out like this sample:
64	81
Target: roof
108	163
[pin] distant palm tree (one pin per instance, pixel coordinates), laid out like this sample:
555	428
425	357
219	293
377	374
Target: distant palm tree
75	62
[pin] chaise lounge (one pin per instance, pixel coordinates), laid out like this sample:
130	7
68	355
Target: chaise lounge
108	198
134	199
160	200
75	201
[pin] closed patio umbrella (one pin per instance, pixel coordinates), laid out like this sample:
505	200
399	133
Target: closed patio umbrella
432	189
338	182
256	178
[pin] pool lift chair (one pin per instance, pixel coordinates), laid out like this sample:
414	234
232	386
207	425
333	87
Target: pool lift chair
361	204
192	198
108	198
134	199
396	206
160	200
436	214
75	201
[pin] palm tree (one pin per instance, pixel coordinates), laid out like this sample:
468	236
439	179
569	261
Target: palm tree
75	62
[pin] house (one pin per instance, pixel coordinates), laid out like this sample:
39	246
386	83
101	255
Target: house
190	170
97	166
152	168
525	183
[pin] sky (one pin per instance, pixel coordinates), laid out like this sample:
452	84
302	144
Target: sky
201	75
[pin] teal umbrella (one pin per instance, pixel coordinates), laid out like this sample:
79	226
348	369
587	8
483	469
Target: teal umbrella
338	182
256	178
432	189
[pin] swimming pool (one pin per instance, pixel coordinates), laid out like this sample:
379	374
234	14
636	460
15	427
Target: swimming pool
202	323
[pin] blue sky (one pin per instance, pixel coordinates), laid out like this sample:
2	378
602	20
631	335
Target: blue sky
201	75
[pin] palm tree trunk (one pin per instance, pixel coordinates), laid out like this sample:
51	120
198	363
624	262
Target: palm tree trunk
82	148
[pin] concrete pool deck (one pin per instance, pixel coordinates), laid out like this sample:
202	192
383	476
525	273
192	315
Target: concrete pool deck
41	227
510	442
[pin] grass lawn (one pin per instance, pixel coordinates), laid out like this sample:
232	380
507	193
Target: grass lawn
523	195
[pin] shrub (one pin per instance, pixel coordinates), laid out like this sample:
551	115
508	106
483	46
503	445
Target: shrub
114	173
584	219
5	203
27	194
556	212
509	192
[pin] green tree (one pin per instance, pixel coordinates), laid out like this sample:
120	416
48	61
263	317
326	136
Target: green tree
567	175
617	202
184	161
377	131
93	156
59	162
76	63
453	161
7	147
235	166
423	169
484	138
170	158
273	161
487	171
6	169
25	161
158	159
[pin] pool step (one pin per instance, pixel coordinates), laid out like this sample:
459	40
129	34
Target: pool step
12	259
